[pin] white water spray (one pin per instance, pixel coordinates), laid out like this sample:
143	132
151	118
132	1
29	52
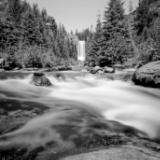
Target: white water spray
119	101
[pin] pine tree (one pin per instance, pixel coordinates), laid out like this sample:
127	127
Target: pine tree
98	33
28	35
14	10
96	42
157	39
143	16
111	38
113	19
146	25
116	36
130	4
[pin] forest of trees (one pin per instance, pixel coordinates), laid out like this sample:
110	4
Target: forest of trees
125	39
29	37
147	29
111	42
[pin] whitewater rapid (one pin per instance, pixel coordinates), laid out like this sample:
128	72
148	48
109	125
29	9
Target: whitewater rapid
115	100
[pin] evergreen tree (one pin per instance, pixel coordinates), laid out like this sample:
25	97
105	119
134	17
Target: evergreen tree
112	43
157	39
98	32
130	6
30	37
96	42
141	19
146	25
116	45
113	19
145	15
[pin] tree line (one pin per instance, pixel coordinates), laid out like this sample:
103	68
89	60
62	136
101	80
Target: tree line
125	39
147	29
110	43
29	37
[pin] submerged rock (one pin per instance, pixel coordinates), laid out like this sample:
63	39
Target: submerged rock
109	70
148	75
39	79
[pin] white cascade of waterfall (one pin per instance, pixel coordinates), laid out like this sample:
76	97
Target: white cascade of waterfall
81	51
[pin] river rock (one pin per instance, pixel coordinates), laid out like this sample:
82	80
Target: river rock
98	69
109	70
64	68
39	79
148	75
95	70
7	68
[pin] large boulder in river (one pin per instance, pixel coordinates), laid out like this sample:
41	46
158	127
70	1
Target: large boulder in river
148	75
39	79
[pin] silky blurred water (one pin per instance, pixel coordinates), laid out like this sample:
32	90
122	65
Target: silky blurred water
116	100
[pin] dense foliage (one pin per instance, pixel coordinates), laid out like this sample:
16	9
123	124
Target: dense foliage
112	43
31	38
147	26
126	39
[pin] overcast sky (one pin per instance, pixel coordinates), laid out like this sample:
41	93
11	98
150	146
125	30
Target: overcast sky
75	14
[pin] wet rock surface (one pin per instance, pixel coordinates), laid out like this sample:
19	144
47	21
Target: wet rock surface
14	113
39	79
97	69
148	75
64	131
121	153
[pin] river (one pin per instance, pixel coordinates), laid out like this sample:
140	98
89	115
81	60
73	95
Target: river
79	101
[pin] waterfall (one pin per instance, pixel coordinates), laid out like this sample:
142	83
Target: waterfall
81	51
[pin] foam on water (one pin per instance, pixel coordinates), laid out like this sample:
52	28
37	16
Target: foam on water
115	100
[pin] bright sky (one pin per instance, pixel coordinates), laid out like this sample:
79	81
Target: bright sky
76	14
